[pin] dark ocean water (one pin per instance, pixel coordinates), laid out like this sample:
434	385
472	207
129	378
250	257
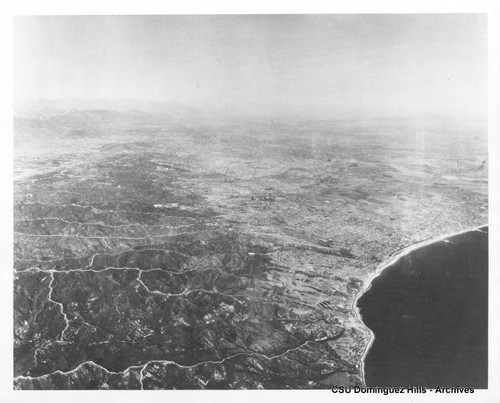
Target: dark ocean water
429	314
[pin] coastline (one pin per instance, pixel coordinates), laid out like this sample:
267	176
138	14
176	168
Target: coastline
393	259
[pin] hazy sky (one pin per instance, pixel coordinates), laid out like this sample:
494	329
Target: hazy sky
335	65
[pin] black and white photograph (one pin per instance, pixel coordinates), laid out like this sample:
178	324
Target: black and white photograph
251	201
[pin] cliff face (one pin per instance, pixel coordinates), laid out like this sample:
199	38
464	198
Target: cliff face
220	257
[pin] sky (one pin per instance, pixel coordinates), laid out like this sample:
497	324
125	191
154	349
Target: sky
316	65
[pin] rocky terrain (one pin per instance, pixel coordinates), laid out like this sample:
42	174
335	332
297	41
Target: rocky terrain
153	254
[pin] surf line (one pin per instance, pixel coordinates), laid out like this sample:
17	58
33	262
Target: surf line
393	259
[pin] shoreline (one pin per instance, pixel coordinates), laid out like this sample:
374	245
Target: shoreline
393	259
